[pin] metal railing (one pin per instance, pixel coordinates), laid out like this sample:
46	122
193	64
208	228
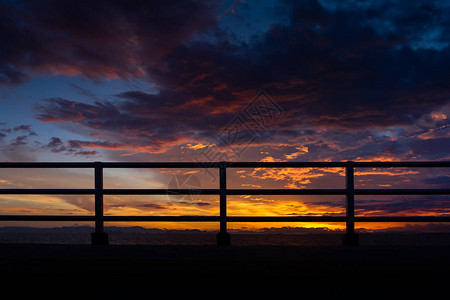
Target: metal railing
223	238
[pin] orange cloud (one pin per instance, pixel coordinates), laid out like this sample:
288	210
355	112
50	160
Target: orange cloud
198	146
302	150
293	177
391	172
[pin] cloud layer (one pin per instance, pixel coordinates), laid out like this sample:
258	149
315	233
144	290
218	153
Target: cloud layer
336	73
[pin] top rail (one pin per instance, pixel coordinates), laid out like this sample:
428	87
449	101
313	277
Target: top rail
46	165
343	164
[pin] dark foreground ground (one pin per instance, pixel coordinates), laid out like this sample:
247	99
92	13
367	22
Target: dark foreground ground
217	272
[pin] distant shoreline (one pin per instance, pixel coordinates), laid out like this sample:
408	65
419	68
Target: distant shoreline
431	228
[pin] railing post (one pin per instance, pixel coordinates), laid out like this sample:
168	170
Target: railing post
223	237
99	237
350	238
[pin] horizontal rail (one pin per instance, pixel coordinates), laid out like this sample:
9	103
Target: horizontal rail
228	191
190	165
413	219
402	164
402	191
289	164
228	218
162	218
161	191
109	165
45	218
336	219
286	192
390	164
31	165
47	191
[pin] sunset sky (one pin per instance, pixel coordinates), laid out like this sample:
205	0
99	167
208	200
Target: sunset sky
316	80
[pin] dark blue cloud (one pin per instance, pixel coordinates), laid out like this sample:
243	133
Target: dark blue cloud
406	205
97	39
439	181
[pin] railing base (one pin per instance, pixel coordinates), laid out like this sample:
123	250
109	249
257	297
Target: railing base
223	239
99	238
350	239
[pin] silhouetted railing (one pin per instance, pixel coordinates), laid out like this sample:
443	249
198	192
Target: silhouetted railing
223	238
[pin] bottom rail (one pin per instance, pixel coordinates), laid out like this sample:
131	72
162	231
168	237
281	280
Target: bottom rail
360	219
